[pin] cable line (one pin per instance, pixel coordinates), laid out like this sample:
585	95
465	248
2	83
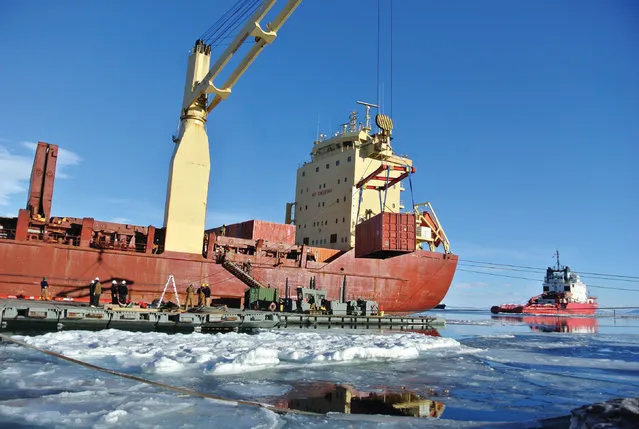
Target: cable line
619	277
229	21
528	278
178	389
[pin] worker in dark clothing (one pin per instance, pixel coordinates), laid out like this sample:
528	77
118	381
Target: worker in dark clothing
91	292
114	292
123	292
44	289
189	298
200	296
97	292
207	294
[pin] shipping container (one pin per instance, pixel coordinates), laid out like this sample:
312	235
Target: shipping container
385	235
322	254
259	229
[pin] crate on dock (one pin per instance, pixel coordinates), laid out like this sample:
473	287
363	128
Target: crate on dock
260	298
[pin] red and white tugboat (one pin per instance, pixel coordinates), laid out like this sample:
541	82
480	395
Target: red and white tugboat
564	294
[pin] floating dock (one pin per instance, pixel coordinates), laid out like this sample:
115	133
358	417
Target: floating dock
29	316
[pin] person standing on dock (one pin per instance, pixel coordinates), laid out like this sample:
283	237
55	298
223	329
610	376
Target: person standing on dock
97	292
200	296
114	292
123	292
207	294
189	298
44	289
91	292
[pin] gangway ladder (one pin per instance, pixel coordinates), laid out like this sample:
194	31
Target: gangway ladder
170	280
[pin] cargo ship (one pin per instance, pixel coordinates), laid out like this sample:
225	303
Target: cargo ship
345	232
563	294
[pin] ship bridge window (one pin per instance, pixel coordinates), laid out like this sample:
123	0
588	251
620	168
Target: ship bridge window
327	166
566	288
305	207
303	173
349	158
338	201
333	238
305	240
337	162
316	169
546	289
345	179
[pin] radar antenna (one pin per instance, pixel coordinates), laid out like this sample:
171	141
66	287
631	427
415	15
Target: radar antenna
368	112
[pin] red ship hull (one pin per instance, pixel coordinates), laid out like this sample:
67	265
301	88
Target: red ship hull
406	283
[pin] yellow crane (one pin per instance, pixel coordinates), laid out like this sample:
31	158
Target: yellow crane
187	191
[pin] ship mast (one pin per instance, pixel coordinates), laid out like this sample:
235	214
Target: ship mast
188	185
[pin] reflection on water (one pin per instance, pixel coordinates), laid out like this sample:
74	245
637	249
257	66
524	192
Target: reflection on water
577	325
428	332
324	398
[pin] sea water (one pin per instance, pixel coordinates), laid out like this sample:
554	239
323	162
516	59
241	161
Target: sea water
479	370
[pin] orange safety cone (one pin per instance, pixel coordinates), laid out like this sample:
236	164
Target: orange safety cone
381	311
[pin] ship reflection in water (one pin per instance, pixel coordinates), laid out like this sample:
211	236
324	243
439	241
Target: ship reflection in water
325	398
428	332
576	325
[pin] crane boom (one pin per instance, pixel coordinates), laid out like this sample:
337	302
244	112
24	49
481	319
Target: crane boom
263	38
188	184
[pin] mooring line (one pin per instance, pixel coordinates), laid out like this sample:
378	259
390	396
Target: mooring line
278	410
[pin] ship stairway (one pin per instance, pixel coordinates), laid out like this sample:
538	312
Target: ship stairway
238	272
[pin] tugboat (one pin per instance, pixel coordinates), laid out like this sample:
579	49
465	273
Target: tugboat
564	294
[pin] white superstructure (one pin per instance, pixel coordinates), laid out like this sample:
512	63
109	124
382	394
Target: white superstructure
561	281
352	176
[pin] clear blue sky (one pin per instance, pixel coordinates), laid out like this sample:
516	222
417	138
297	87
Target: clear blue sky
522	119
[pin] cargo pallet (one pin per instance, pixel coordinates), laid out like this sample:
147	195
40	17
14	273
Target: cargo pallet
30	316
